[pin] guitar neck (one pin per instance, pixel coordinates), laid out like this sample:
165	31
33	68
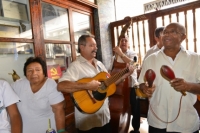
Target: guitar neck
118	75
115	77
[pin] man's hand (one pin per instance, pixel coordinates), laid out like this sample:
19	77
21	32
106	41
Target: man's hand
118	51
93	85
130	71
180	84
146	90
131	68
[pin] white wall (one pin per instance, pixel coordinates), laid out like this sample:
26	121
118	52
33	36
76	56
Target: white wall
129	8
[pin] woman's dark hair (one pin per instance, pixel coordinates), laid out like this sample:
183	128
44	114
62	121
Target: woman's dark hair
38	60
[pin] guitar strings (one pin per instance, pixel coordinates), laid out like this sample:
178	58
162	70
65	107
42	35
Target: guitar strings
116	76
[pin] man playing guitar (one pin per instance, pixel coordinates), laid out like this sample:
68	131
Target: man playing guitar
86	66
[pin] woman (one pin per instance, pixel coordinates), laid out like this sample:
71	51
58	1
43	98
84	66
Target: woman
40	99
8	107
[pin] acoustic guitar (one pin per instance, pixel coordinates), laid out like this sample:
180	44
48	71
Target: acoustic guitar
88	101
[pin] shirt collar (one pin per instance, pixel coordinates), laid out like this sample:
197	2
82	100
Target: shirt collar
82	59
182	49
156	47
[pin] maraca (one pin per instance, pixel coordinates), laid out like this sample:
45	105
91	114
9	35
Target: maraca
168	74
150	77
50	130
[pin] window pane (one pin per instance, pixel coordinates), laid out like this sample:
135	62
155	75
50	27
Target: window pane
13	55
81	24
55	22
15	19
77	53
58	54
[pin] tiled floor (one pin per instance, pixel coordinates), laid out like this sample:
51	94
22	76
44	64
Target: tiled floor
143	126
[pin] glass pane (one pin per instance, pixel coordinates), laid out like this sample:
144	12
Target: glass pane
13	56
77	53
55	22
58	54
81	24
15	19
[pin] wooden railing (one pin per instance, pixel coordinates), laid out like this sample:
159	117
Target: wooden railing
141	32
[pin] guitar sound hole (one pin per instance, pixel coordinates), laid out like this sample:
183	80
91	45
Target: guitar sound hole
98	96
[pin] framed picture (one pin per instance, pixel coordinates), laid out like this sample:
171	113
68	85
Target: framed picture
14	10
9	31
60	60
7	48
54	71
58	50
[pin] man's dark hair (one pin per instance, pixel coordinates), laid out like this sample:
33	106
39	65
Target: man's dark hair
158	31
37	60
82	40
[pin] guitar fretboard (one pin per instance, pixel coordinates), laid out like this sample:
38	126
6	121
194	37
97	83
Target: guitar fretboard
118	75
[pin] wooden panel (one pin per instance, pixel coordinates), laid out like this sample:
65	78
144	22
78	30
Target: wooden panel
22	40
87	3
133	36
71	4
69	112
36	20
194	29
186	25
177	17
138	35
144	38
69	104
152	26
70	123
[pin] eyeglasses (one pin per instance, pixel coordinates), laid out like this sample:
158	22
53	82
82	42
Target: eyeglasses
172	32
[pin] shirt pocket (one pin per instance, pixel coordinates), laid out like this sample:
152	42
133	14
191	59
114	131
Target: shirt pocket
188	76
